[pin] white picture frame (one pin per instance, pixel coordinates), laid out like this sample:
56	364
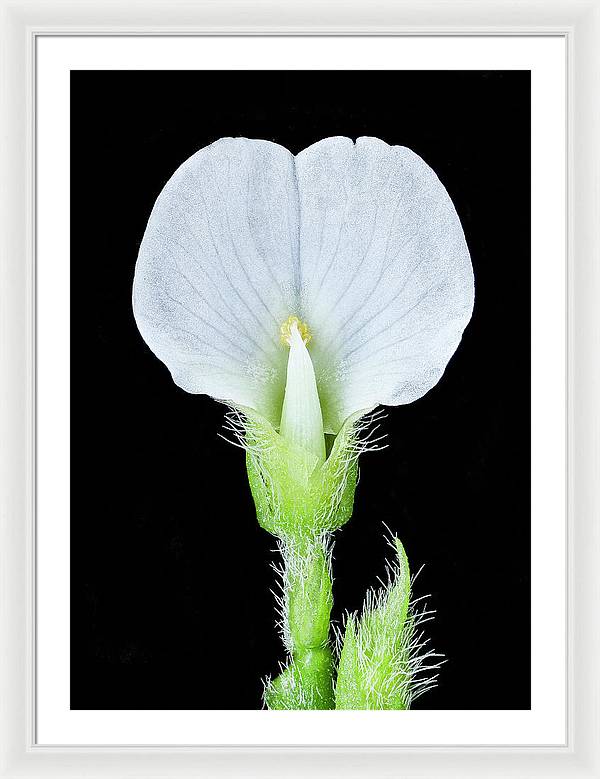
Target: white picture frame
579	24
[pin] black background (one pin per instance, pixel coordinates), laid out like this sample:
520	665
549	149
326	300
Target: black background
171	602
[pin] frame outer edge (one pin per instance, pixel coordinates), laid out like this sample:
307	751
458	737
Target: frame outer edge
584	390
17	391
16	412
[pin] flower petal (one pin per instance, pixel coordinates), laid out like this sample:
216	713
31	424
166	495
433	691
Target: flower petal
217	272
301	415
386	278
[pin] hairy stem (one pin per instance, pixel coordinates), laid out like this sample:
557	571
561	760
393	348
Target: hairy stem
307	681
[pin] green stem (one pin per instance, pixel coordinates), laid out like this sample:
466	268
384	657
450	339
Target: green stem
307	681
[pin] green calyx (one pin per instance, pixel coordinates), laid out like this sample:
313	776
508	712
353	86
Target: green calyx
295	493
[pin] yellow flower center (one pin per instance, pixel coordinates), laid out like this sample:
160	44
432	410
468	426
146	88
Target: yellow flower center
286	330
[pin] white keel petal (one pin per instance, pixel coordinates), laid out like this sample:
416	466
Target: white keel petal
301	416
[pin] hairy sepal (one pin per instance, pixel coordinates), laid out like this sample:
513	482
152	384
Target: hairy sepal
295	495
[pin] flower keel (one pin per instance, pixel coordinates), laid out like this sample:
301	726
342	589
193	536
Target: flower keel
301	416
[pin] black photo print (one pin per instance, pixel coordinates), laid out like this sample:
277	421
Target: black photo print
300	343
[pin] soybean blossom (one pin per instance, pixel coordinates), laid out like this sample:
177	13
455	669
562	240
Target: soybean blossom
303	292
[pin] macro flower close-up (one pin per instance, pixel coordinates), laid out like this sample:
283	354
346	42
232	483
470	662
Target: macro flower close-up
303	292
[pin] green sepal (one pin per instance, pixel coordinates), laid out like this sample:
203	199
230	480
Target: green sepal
295	495
375	669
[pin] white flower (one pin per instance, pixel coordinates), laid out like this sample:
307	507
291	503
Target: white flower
348	258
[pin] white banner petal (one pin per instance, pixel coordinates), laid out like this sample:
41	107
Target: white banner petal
386	278
217	272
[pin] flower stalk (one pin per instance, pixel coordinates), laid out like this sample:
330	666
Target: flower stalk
306	602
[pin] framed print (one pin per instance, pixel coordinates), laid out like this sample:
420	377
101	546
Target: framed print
257	283
298	357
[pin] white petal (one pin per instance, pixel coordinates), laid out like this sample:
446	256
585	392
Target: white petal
386	277
301	416
217	272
